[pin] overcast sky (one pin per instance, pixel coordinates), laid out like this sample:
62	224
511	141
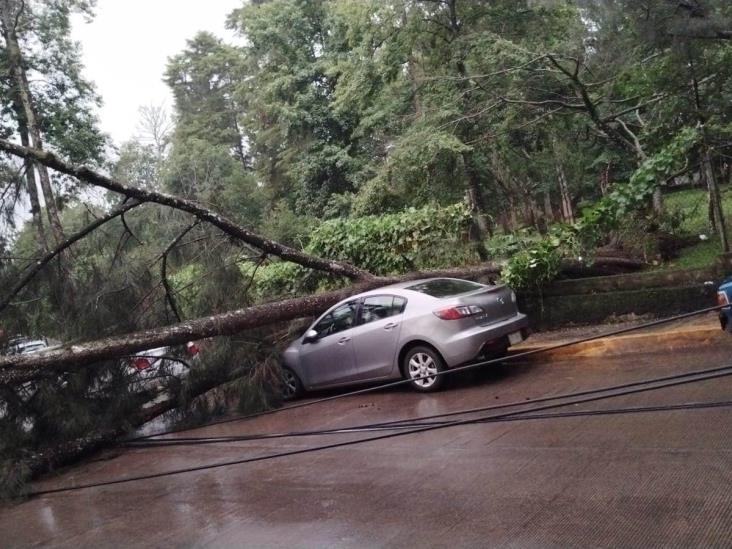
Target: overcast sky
126	47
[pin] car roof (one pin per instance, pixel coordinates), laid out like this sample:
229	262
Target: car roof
402	288
408	283
398	288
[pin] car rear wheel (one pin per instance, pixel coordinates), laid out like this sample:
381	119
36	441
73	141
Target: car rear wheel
420	362
291	386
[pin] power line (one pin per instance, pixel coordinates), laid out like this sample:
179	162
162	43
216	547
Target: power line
444	372
556	415
414	420
423	429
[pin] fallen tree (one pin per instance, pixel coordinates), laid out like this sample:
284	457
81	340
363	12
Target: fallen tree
21	368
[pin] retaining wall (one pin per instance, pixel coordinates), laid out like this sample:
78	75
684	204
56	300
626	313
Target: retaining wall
594	300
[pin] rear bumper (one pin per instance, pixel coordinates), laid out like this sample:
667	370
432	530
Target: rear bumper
468	345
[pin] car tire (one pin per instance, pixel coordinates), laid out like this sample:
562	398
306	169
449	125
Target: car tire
291	384
420	361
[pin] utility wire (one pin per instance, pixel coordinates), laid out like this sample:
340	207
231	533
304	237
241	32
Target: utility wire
444	372
386	436
415	420
555	415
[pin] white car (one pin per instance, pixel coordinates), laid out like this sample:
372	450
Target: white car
151	368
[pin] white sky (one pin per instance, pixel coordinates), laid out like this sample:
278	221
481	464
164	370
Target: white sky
126	47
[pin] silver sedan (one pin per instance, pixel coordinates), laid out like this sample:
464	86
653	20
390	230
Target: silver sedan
407	330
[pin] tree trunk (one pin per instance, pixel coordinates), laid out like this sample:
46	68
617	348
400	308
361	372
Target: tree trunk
605	180
548	210
475	201
566	199
30	179
21	368
715	199
8	17
72	451
657	201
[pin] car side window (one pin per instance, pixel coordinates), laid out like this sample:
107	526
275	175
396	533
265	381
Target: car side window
339	319
381	306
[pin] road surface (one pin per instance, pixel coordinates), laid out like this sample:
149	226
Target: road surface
628	480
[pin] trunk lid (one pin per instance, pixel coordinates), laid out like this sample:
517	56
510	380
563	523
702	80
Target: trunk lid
498	303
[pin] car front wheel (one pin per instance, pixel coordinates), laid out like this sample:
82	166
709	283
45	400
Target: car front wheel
421	366
291	386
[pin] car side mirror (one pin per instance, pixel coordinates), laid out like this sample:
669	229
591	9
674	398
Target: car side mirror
310	336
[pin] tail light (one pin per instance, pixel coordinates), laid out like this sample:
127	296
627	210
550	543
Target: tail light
192	349
456	313
141	363
722	298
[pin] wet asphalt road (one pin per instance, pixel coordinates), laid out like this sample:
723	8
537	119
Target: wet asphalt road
659	479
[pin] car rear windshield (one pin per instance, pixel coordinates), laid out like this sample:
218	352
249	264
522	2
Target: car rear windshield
445	287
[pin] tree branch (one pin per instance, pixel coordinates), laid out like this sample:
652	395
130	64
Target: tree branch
266	245
637	107
34	269
164	269
590	107
129	231
556	102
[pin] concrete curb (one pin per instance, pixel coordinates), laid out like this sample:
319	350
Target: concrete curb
633	343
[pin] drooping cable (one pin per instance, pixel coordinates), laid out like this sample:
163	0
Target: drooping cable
422	429
445	372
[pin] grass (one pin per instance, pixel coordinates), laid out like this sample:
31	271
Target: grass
690	210
690	205
697	256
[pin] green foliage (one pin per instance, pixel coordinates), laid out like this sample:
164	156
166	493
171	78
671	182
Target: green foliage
636	193
690	206
533	267
539	262
393	242
283	225
424	238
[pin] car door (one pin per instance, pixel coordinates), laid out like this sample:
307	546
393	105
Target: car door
329	359
375	338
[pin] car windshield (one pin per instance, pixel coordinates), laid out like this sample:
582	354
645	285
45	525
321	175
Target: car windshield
445	287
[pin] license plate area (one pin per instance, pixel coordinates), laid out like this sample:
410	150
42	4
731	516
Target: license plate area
514	338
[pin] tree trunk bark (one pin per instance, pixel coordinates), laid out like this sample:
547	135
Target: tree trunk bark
31	186
657	201
548	210
475	201
566	199
8	16
715	199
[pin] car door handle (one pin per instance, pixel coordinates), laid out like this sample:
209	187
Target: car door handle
390	325
343	340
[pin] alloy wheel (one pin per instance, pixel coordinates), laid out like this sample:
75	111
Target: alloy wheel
422	364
